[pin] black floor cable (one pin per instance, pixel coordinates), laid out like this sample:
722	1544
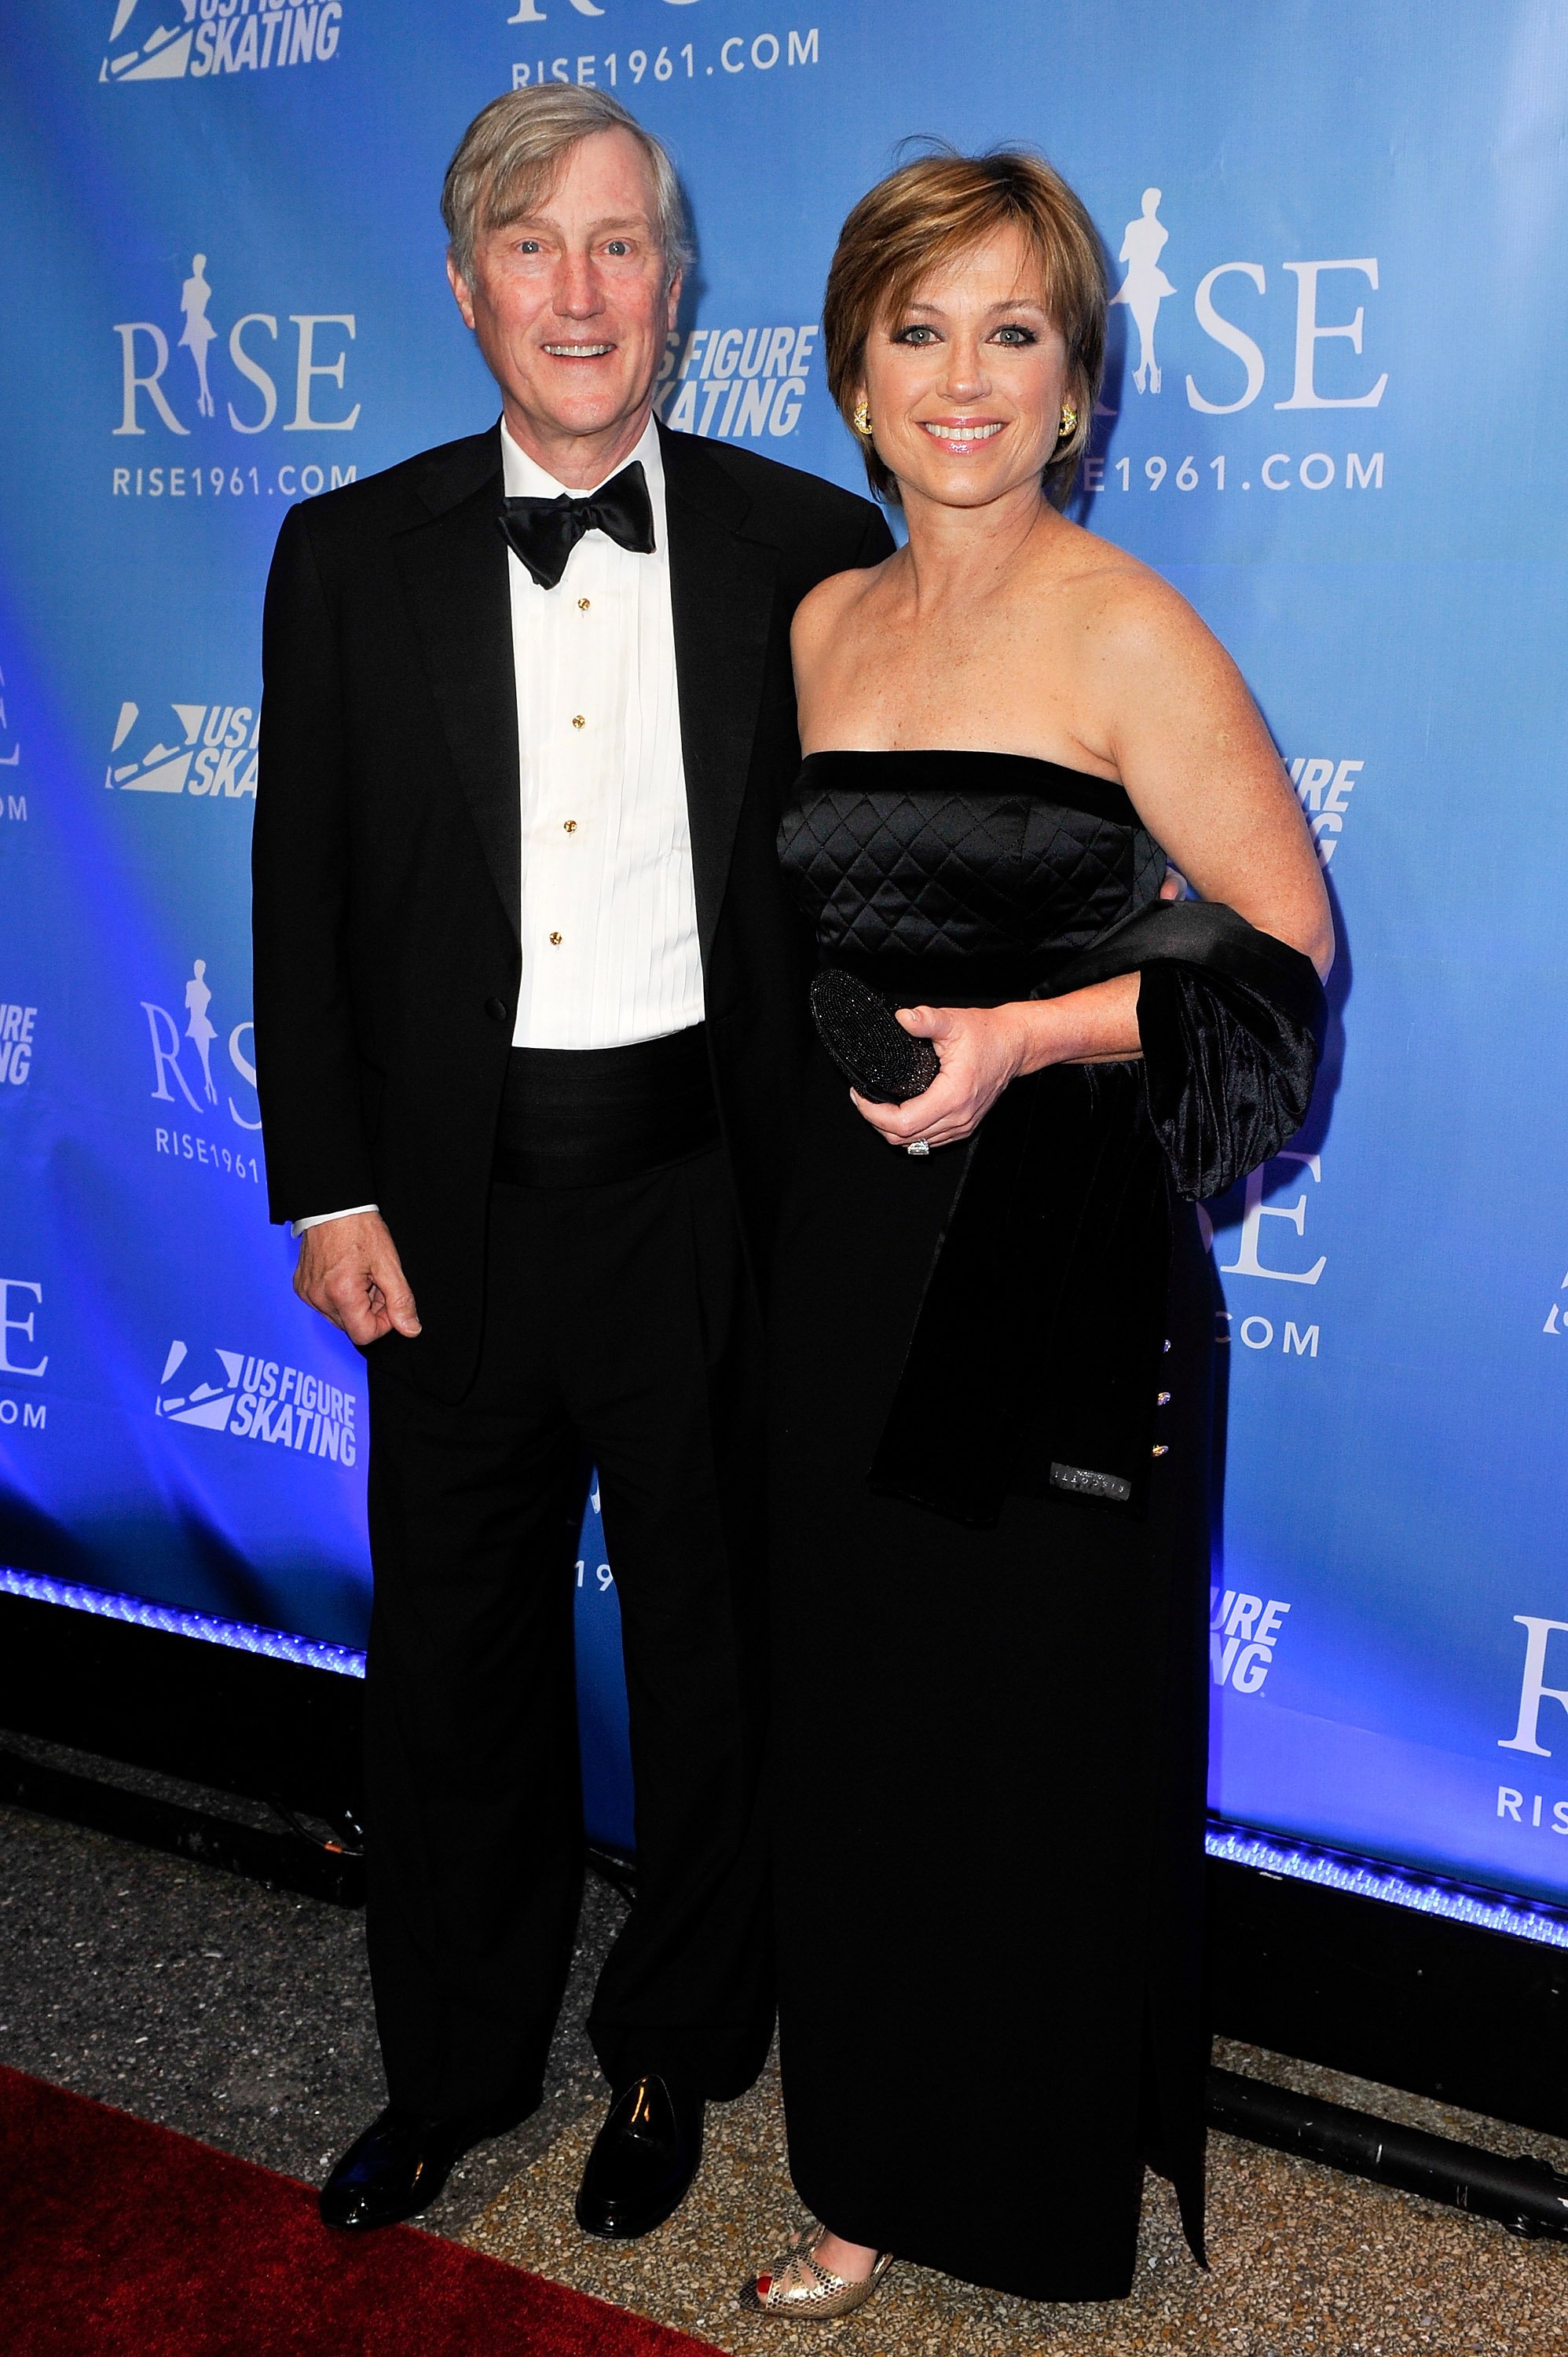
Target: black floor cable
1526	2196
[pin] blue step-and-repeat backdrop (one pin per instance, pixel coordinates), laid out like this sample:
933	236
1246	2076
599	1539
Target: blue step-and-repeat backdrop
1336	417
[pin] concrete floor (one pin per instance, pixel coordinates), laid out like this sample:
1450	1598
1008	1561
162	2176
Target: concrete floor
236	2014
1303	2260
242	2016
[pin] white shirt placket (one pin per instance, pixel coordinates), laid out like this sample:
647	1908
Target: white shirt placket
607	904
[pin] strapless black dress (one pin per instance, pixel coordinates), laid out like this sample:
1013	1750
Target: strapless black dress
991	1726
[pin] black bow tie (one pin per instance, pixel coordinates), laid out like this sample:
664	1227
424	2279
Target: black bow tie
543	532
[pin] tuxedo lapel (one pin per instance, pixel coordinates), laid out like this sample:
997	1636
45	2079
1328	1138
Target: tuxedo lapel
722	589
453	565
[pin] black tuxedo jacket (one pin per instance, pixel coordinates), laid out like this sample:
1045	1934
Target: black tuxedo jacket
387	847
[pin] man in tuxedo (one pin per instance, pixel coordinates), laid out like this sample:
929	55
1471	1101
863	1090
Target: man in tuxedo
530	1005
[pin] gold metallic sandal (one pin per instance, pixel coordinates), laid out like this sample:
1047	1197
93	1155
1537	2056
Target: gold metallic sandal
796	2285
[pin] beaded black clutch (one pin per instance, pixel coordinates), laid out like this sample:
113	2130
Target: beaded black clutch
871	1048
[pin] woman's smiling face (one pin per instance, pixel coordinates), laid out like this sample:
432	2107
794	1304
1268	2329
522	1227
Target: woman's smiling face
965	383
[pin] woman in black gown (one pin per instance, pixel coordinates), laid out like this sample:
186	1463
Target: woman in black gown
993	1315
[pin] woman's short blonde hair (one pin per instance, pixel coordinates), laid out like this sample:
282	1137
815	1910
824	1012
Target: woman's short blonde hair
931	212
513	150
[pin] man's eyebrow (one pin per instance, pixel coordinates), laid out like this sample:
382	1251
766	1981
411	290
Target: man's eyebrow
595	228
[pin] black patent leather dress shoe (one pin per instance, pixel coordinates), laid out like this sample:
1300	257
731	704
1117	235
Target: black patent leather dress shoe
401	2163
642	2163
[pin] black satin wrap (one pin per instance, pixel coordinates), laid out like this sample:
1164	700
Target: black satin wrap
1230	1022
1034	1362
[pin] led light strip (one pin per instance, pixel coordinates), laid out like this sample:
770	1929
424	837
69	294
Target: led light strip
243	1636
1301	1861
1400	1886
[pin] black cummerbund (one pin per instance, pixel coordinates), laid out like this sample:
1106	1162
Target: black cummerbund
588	1116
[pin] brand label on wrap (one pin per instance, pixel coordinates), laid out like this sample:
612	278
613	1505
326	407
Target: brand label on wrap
1085	1484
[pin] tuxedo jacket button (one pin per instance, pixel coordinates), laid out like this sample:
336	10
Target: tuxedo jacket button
496	1009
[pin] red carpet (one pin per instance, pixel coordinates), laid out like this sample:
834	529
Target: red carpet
118	2239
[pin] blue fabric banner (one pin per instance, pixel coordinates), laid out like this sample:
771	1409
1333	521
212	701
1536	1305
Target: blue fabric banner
1335	417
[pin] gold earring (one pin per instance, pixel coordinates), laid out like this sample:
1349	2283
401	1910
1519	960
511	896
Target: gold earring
862	418
1069	422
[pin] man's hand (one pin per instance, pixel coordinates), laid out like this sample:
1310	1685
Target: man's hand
349	1271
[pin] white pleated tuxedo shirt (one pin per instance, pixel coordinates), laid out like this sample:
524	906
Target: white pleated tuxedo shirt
609	908
609	914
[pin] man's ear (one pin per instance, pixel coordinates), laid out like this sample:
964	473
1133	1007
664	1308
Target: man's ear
674	304
460	295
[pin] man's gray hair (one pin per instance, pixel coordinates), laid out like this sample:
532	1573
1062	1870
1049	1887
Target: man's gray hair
513	150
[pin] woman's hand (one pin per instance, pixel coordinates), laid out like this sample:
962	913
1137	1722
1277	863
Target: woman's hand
982	1048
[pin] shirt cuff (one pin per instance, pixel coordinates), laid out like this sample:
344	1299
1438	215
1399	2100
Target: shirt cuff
319	1218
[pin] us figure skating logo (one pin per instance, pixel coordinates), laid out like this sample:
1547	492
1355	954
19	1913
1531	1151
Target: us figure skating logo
209	750
736	384
258	1398
173	40
202	1403
158	49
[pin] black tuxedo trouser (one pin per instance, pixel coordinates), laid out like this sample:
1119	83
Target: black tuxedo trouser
620	1327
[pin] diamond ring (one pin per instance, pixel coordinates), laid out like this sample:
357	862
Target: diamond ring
919	1146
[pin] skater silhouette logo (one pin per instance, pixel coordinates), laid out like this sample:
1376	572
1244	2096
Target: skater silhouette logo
182	1052
194	297
1146	285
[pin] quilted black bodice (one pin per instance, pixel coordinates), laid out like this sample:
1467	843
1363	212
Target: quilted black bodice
990	856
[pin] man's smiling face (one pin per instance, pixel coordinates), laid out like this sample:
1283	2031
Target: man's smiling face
571	308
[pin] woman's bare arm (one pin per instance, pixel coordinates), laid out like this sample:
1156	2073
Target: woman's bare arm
1199	764
1203	774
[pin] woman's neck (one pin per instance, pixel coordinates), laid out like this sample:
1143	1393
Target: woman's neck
959	555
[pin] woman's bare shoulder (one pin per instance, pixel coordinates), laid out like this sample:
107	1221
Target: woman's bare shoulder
825	611
1124	604
1097	569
